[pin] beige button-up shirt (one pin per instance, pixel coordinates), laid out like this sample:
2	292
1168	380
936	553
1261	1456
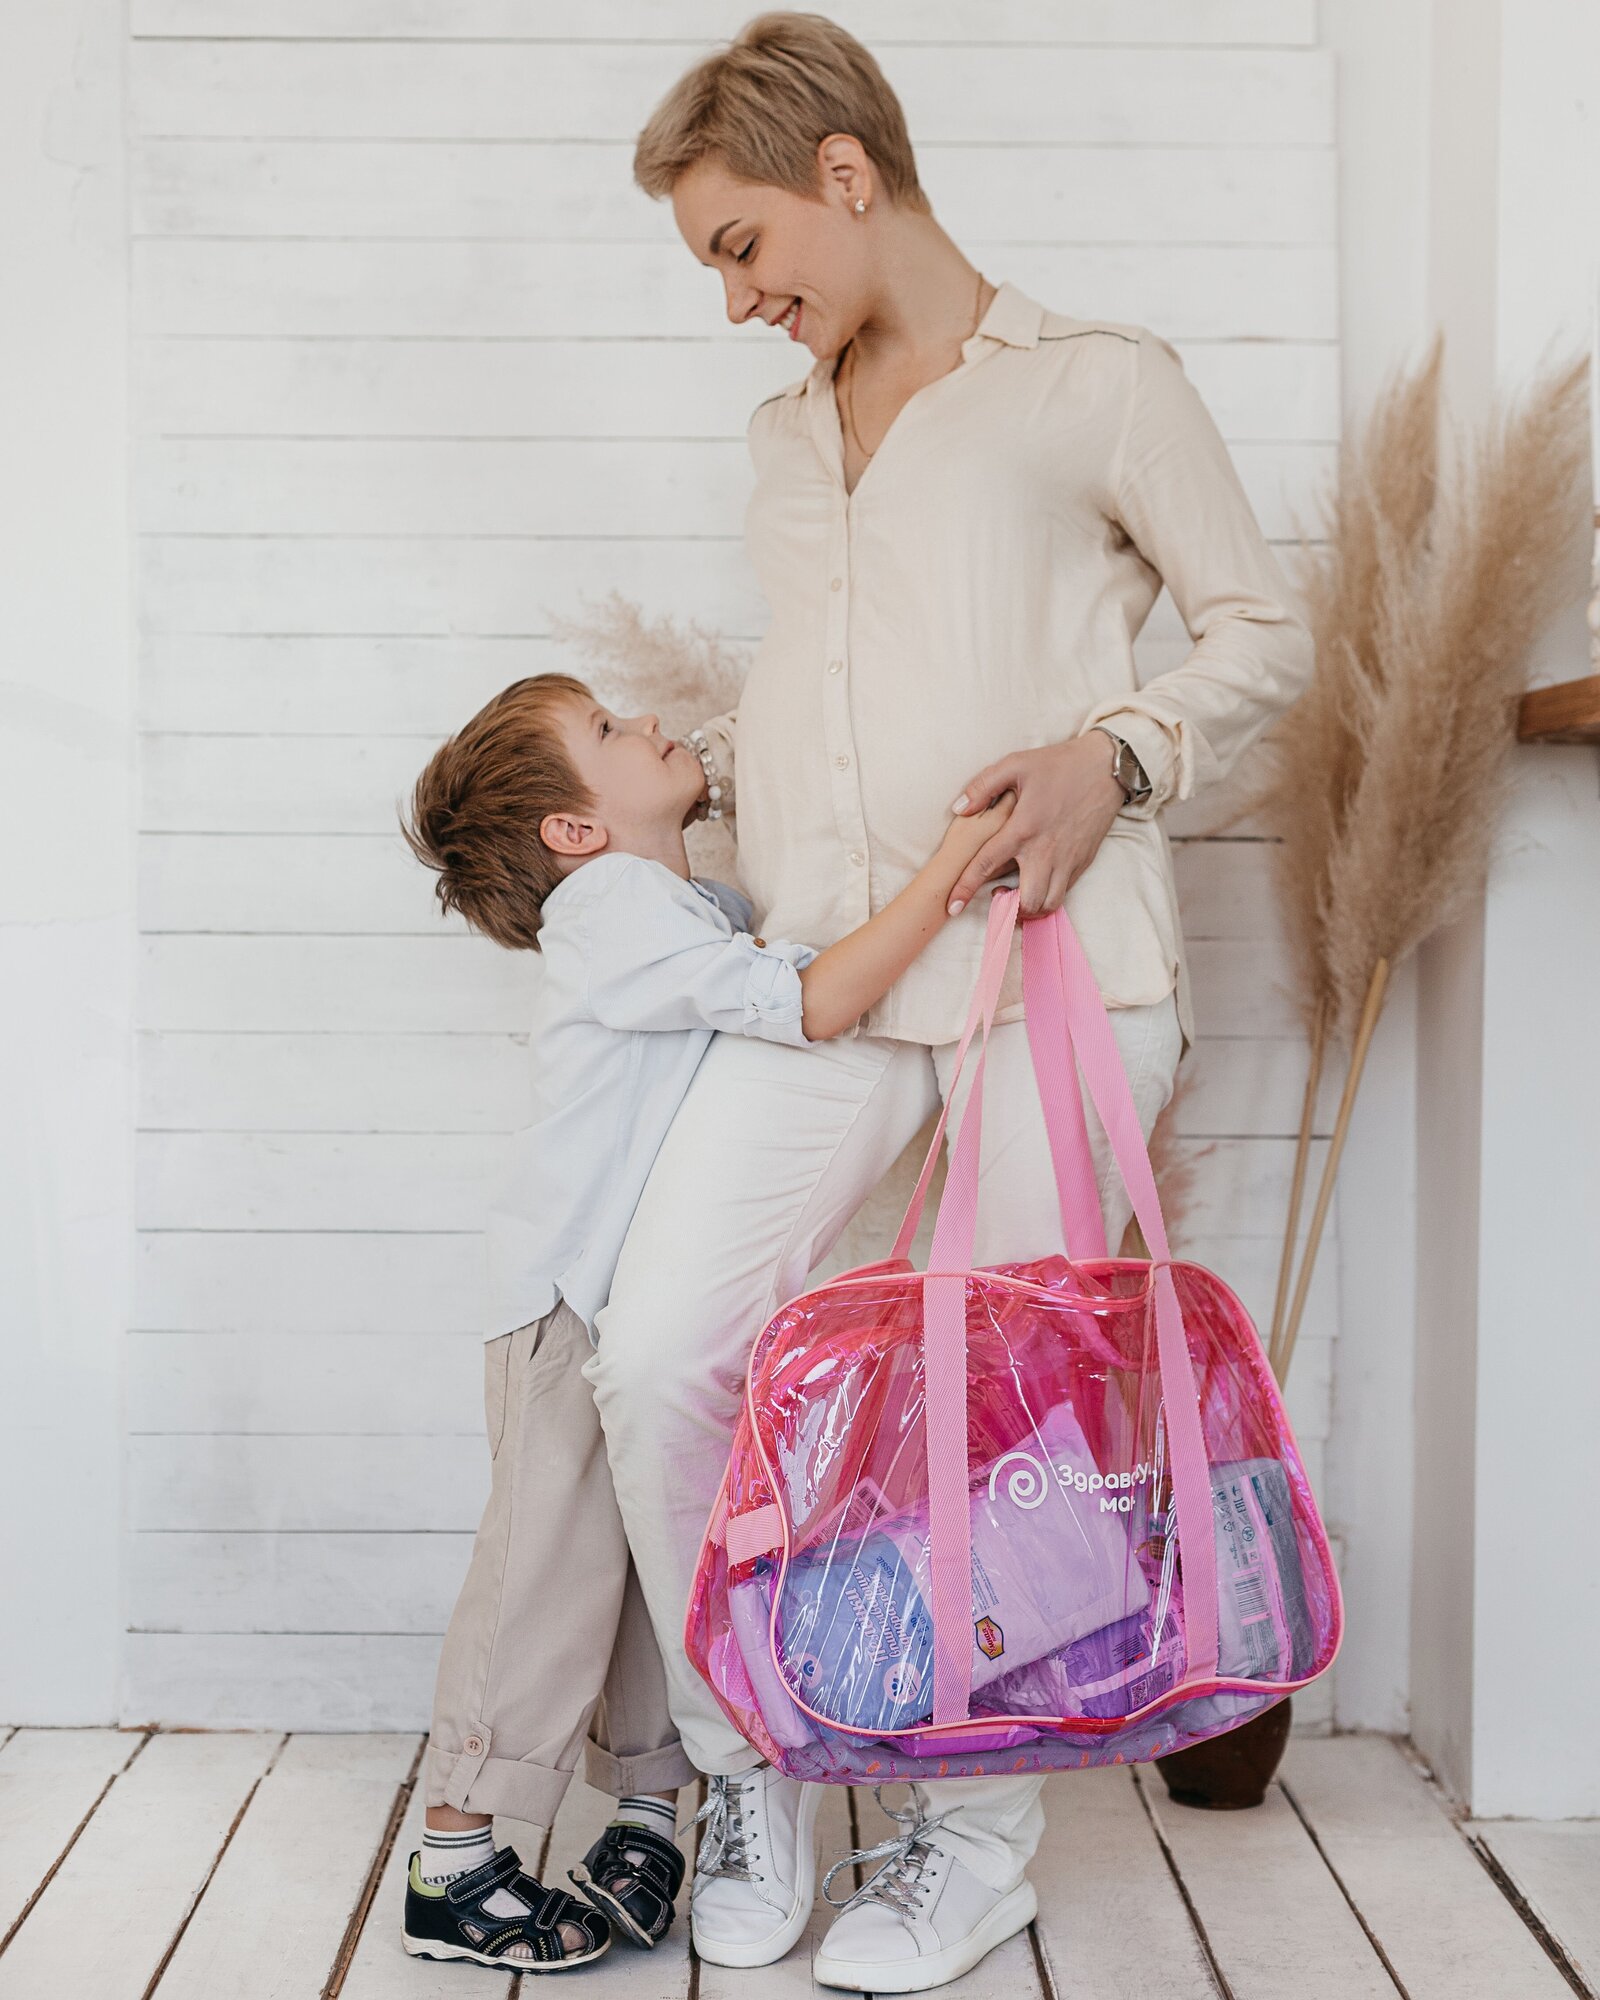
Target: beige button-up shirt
978	593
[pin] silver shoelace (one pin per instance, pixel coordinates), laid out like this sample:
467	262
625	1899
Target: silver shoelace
904	1855
722	1849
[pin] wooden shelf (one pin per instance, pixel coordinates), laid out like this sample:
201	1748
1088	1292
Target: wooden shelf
1569	712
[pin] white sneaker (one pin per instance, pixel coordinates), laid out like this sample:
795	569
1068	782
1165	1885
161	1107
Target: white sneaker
756	1872
923	1919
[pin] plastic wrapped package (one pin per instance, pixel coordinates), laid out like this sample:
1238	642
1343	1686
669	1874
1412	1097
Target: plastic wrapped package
856	1615
1035	1516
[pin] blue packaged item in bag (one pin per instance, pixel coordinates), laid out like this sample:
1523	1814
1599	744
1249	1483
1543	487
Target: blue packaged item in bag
1264	1625
858	1634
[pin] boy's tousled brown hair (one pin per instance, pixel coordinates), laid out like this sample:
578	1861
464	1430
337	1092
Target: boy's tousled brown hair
764	104
476	809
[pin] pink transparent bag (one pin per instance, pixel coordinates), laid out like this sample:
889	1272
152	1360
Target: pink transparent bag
1032	1517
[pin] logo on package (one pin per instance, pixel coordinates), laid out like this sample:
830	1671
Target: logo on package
1026	1485
1027	1482
991	1640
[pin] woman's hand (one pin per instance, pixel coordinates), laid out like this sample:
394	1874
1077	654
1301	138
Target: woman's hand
1066	801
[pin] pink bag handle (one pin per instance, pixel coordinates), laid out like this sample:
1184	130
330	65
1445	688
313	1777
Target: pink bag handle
944	1342
1055	1066
1073	1018
985	997
1082	1225
1090	1027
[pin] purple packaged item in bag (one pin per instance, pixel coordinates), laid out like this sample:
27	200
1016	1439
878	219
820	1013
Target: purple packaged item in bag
1106	1673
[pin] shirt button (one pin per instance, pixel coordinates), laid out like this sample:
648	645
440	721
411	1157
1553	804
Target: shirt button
473	1745
759	943
857	858
843	763
837	583
836	666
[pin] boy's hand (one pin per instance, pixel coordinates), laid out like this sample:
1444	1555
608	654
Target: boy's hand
963	837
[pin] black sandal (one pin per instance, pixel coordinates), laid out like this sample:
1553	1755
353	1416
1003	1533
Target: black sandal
448	1920
632	1877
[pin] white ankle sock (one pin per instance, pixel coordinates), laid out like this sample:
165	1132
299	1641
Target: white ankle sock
657	1814
446	1855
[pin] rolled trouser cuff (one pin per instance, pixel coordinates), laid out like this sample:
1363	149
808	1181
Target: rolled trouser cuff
663	1770
473	1782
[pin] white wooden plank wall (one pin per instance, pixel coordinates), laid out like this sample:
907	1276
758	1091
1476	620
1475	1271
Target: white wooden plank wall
415	370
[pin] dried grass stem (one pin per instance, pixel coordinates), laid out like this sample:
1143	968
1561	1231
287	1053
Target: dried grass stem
1389	775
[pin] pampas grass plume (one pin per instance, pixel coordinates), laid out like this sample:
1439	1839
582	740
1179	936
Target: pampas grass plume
683	672
1388	776
1377	518
1434	704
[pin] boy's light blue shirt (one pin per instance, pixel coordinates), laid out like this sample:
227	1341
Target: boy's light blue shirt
639	969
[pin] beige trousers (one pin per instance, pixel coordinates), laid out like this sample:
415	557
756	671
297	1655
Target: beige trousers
550	1631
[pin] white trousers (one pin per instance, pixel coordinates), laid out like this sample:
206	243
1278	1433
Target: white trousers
771	1154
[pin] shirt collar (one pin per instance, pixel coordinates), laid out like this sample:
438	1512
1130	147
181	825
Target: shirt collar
606	864
1012	319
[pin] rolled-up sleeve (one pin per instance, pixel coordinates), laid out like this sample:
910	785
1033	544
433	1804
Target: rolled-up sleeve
1179	498
655	963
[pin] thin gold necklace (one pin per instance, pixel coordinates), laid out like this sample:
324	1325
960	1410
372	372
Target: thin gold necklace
849	397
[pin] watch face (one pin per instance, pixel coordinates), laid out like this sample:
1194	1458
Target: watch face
1130	774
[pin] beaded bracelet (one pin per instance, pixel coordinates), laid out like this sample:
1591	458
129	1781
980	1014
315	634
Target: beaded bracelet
719	790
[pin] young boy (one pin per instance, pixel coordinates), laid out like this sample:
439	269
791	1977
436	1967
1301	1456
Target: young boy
557	826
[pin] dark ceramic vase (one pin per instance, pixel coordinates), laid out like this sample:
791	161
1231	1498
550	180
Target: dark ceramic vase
1227	1772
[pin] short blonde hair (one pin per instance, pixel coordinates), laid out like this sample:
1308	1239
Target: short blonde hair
764	104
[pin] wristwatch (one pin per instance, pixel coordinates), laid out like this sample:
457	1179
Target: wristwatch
1126	769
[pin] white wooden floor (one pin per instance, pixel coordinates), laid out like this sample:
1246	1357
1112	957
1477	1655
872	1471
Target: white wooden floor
269	1867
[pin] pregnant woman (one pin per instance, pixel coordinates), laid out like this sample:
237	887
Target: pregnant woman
961	518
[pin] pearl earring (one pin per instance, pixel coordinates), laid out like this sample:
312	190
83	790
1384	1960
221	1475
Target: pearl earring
861	208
